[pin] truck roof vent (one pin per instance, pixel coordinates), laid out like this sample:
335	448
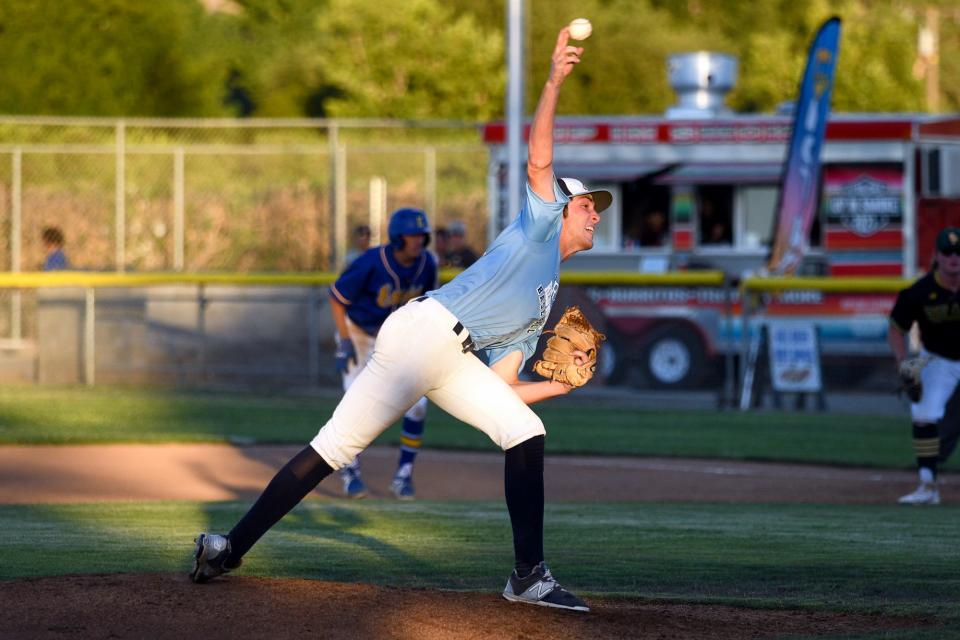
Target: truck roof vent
702	80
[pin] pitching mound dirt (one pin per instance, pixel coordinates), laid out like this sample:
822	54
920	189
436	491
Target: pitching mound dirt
169	606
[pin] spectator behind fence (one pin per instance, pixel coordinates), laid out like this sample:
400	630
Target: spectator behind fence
360	241
439	245
56	259
458	255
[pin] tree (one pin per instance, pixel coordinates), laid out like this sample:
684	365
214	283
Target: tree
624	67
771	39
389	59
408	59
106	58
270	72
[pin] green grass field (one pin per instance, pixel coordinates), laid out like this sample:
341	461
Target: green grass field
867	559
845	558
39	415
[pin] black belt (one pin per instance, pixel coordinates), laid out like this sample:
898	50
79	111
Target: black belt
458	328
467	343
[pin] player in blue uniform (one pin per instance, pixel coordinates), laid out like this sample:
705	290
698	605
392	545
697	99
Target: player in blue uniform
497	308
376	284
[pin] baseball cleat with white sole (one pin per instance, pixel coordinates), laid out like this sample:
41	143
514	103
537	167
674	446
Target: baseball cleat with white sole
353	486
210	556
926	494
541	589
402	488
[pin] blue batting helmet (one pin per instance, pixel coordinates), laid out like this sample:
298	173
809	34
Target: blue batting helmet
408	222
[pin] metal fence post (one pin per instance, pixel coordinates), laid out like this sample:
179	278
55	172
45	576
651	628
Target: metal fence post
338	197
744	344
202	332
120	195
89	333
313	336
178	210
377	208
16	240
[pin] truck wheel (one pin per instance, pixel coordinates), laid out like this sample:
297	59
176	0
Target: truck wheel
613	363
673	358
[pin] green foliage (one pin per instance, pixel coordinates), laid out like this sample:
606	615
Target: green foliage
432	59
107	58
408	59
877	49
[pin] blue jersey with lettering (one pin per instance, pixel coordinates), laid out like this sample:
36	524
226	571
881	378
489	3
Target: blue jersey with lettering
504	298
375	285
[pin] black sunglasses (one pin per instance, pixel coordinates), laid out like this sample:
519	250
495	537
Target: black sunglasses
951	251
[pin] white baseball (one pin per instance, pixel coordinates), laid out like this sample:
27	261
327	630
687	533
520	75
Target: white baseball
580	29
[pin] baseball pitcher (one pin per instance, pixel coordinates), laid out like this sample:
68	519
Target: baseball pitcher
463	346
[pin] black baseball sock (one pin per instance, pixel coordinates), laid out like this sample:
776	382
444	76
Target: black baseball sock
926	446
292	483
523	488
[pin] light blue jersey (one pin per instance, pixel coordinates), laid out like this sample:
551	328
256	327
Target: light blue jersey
504	298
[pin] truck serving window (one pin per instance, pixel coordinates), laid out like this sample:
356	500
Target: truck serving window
715	214
646	215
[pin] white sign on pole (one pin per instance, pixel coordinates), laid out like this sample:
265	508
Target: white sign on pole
794	356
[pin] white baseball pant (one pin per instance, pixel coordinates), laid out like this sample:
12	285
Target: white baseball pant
417	353
363	344
940	378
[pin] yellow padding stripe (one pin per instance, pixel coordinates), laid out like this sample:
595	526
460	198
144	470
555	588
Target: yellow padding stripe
838	285
33	280
411	442
926	447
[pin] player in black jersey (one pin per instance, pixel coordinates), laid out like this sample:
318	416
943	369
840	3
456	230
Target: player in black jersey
933	303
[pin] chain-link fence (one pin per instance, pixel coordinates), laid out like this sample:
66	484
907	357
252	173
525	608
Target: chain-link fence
235	195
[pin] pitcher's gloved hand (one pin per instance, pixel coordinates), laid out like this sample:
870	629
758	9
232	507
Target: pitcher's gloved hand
560	361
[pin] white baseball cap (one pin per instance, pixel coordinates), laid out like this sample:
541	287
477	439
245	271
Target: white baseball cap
572	187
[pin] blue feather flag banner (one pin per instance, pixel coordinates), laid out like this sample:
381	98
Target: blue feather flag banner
800	184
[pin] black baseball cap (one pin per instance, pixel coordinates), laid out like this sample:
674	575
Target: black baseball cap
948	240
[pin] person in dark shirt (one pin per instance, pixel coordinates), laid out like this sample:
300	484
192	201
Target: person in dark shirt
654	232
458	254
361	242
439	245
933	303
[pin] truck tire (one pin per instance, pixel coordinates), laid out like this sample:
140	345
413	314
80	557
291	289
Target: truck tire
673	358
613	361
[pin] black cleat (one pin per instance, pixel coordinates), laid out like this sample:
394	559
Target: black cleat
541	589
210	556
